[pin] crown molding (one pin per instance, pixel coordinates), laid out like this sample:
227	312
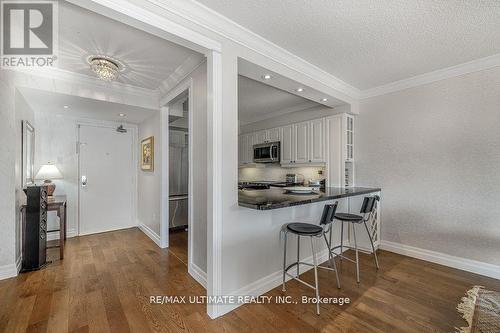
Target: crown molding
209	19
440	74
180	73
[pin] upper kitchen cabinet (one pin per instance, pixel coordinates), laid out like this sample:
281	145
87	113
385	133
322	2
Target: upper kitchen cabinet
274	134
264	136
301	142
317	141
245	149
287	144
260	137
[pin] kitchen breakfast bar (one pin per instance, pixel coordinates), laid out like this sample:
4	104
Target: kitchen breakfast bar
273	198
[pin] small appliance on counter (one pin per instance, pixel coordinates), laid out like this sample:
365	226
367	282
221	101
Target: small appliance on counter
294	179
314	182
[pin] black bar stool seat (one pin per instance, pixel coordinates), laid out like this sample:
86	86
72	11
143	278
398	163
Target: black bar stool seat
349	217
305	229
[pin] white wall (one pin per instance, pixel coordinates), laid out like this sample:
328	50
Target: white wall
199	165
149	182
435	152
8	144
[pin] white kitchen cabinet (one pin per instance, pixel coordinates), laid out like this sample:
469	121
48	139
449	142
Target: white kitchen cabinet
317	141
340	147
273	134
301	142
245	146
287	144
260	137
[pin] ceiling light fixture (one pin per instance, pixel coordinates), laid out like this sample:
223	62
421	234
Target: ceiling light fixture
66	106
267	76
324	99
106	68
299	89
122	114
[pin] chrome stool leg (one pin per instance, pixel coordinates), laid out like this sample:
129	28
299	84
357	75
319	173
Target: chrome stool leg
284	261
341	238
315	275
373	247
331	259
356	248
298	255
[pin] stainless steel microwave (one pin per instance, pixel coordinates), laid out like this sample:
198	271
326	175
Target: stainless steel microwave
266	152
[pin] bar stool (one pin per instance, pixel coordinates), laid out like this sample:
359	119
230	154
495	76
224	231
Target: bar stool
311	230
367	208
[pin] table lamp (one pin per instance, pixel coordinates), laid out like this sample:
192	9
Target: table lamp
48	172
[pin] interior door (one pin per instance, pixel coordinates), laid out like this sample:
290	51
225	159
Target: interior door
107	181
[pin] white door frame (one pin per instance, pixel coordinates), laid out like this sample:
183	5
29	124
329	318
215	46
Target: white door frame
111	125
148	20
186	84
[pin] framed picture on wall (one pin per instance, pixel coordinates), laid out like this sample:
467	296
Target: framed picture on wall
28	153
148	154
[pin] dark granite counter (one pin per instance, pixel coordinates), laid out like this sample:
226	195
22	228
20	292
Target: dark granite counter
274	198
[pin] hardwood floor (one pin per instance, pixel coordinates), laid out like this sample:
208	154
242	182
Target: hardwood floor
105	281
178	245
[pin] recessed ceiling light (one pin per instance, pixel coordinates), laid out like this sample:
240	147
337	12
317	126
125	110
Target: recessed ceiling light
122	114
66	106
267	76
300	89
324	99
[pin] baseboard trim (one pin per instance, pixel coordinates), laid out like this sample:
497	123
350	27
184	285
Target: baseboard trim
198	274
464	264
150	233
269	282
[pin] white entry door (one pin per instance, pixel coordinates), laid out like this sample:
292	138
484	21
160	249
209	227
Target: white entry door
107	180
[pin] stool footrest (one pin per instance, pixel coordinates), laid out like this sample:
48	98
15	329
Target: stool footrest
301	281
350	248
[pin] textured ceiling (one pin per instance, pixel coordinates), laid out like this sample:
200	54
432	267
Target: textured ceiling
149	59
257	101
368	43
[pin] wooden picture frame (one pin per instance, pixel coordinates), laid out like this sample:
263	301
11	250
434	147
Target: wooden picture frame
148	154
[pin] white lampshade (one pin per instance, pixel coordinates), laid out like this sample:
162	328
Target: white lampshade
49	171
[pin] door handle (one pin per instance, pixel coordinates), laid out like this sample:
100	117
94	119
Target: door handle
84	181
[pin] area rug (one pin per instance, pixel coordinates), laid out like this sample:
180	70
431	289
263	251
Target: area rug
481	309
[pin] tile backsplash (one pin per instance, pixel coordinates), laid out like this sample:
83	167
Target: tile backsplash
277	173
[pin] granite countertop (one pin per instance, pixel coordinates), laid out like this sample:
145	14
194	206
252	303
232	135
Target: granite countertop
274	198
